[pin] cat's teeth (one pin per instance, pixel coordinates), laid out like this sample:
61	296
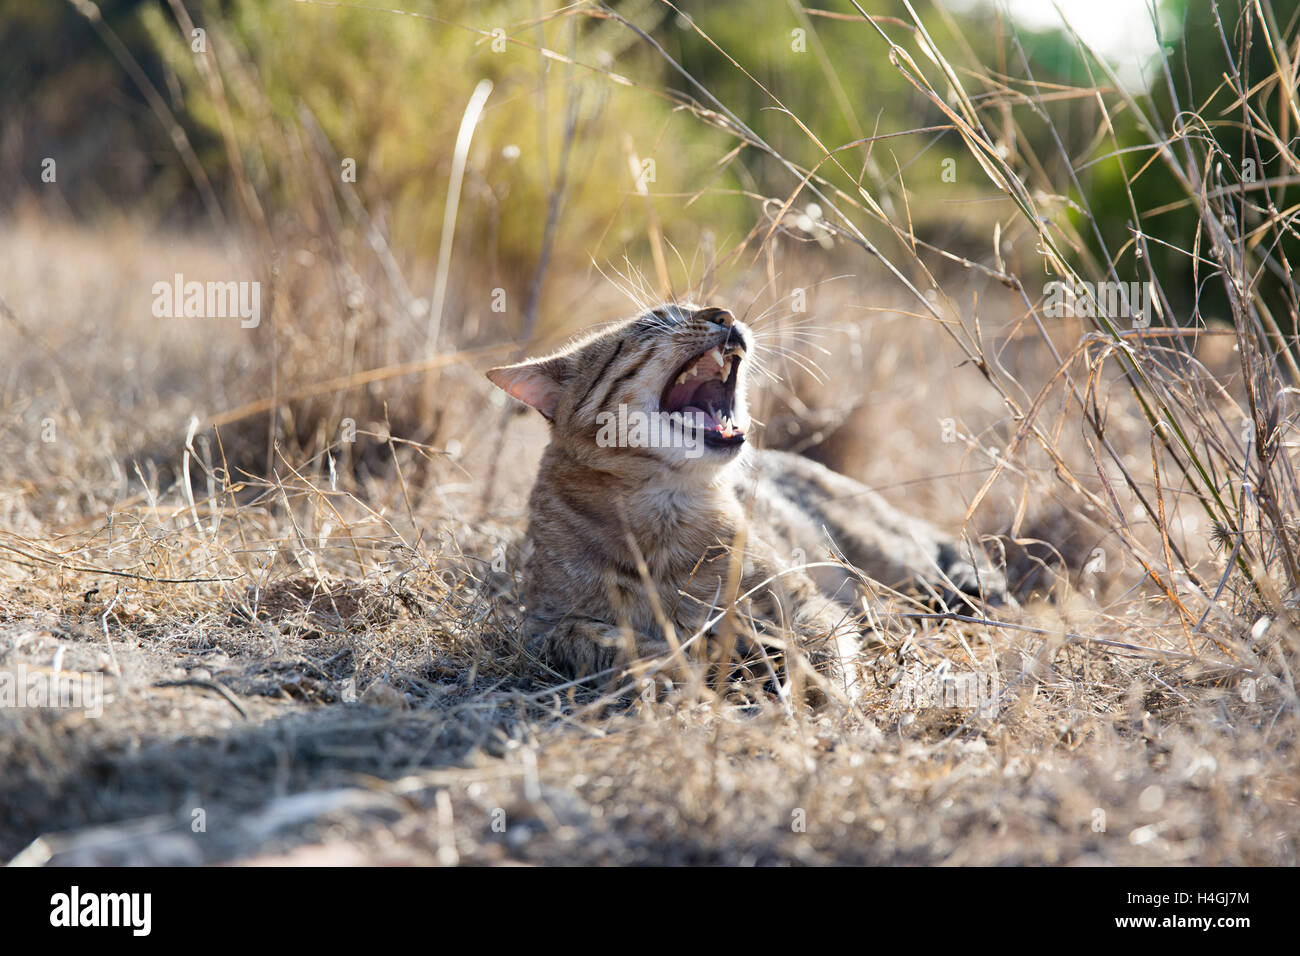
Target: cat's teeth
717	357
683	377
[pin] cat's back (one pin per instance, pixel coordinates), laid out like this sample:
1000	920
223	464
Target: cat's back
811	513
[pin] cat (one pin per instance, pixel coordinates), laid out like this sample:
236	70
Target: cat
652	515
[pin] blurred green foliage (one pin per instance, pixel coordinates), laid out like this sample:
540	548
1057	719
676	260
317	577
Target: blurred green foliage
64	96
1208	46
388	91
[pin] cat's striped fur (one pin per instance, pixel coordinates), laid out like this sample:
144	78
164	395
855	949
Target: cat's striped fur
635	549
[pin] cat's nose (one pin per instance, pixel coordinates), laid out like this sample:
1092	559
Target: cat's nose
735	339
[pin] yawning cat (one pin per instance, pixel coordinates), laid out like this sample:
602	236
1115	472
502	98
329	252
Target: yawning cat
652	516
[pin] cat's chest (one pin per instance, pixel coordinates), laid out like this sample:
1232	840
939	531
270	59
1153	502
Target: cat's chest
684	533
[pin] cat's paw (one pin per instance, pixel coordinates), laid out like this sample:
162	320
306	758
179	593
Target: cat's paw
972	575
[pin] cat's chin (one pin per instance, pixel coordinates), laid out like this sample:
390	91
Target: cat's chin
710	456
719	442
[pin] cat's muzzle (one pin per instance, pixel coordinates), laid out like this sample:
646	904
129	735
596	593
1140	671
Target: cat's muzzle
703	392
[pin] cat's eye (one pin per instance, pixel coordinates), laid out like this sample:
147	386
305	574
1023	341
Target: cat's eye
717	316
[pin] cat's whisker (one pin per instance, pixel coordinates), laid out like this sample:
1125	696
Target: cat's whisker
650	298
756	320
797	346
785	341
633	286
794	321
623	287
808	365
688	271
750	306
776	304
777	335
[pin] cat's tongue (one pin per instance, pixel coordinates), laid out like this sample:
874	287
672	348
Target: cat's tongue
706	404
710	393
702	418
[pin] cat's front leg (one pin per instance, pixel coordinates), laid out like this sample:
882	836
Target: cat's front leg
831	640
828	636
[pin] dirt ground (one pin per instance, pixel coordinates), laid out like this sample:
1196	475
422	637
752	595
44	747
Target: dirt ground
322	666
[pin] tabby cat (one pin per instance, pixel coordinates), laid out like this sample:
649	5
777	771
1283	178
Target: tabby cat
652	514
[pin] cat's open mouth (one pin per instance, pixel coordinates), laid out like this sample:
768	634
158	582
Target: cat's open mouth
703	391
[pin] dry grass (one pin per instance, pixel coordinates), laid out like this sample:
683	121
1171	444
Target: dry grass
368	652
315	640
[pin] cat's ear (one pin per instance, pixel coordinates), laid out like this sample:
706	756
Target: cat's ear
538	383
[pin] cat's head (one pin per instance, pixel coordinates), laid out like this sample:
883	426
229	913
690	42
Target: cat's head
665	388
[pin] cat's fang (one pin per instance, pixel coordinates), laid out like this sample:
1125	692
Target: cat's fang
704	391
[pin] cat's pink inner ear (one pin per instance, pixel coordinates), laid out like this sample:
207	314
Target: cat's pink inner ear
532	383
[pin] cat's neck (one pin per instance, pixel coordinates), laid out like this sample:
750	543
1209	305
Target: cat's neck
647	500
